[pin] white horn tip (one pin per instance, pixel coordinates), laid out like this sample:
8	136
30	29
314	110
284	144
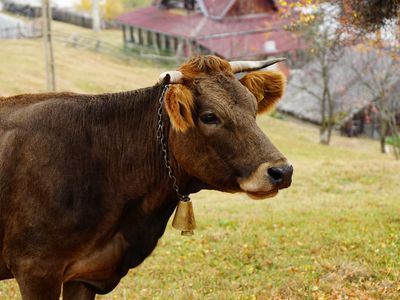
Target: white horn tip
175	76
279	59
246	66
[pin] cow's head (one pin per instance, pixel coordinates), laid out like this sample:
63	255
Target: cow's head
214	135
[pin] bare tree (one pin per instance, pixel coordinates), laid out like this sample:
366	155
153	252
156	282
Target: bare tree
378	70
377	24
321	31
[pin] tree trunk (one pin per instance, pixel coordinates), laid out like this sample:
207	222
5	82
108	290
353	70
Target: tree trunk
323	130
330	129
327	121
395	135
331	121
383	135
324	135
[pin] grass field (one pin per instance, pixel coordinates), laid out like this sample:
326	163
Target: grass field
335	234
22	70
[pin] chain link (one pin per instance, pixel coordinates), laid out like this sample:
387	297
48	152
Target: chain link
164	149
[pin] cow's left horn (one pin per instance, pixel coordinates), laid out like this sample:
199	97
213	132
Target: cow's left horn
246	66
176	76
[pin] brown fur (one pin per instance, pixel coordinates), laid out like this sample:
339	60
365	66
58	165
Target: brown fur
179	104
266	86
32	98
207	64
84	191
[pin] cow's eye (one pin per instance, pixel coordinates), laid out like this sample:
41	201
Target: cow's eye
209	118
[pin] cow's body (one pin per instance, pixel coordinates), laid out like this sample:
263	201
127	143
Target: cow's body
84	192
88	166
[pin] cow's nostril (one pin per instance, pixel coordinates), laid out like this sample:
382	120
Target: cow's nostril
281	177
276	175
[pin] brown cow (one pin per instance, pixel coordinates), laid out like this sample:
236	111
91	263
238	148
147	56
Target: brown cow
84	191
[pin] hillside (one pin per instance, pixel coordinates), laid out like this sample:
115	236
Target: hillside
22	70
335	234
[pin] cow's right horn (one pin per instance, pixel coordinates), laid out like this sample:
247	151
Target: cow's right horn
175	76
246	66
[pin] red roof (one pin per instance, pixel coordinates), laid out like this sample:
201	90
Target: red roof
232	37
224	8
217	8
251	45
162	20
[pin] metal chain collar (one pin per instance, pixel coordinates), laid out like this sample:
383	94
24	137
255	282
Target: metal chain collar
162	141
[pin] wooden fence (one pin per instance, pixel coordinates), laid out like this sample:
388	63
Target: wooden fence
85	42
118	51
59	14
21	31
34	30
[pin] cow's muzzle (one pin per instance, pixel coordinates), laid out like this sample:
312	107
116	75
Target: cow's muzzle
267	180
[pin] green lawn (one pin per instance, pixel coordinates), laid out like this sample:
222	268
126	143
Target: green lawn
335	234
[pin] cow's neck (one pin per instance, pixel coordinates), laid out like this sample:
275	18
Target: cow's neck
124	127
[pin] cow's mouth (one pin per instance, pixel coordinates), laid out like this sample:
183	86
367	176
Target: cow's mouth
262	195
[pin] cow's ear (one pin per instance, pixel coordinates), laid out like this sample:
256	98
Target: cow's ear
266	86
179	105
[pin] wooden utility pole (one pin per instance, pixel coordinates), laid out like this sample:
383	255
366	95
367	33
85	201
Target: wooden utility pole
48	46
96	15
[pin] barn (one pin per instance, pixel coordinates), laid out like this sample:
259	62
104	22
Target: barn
232	29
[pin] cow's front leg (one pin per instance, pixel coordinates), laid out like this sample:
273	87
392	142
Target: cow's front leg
77	291
37	281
